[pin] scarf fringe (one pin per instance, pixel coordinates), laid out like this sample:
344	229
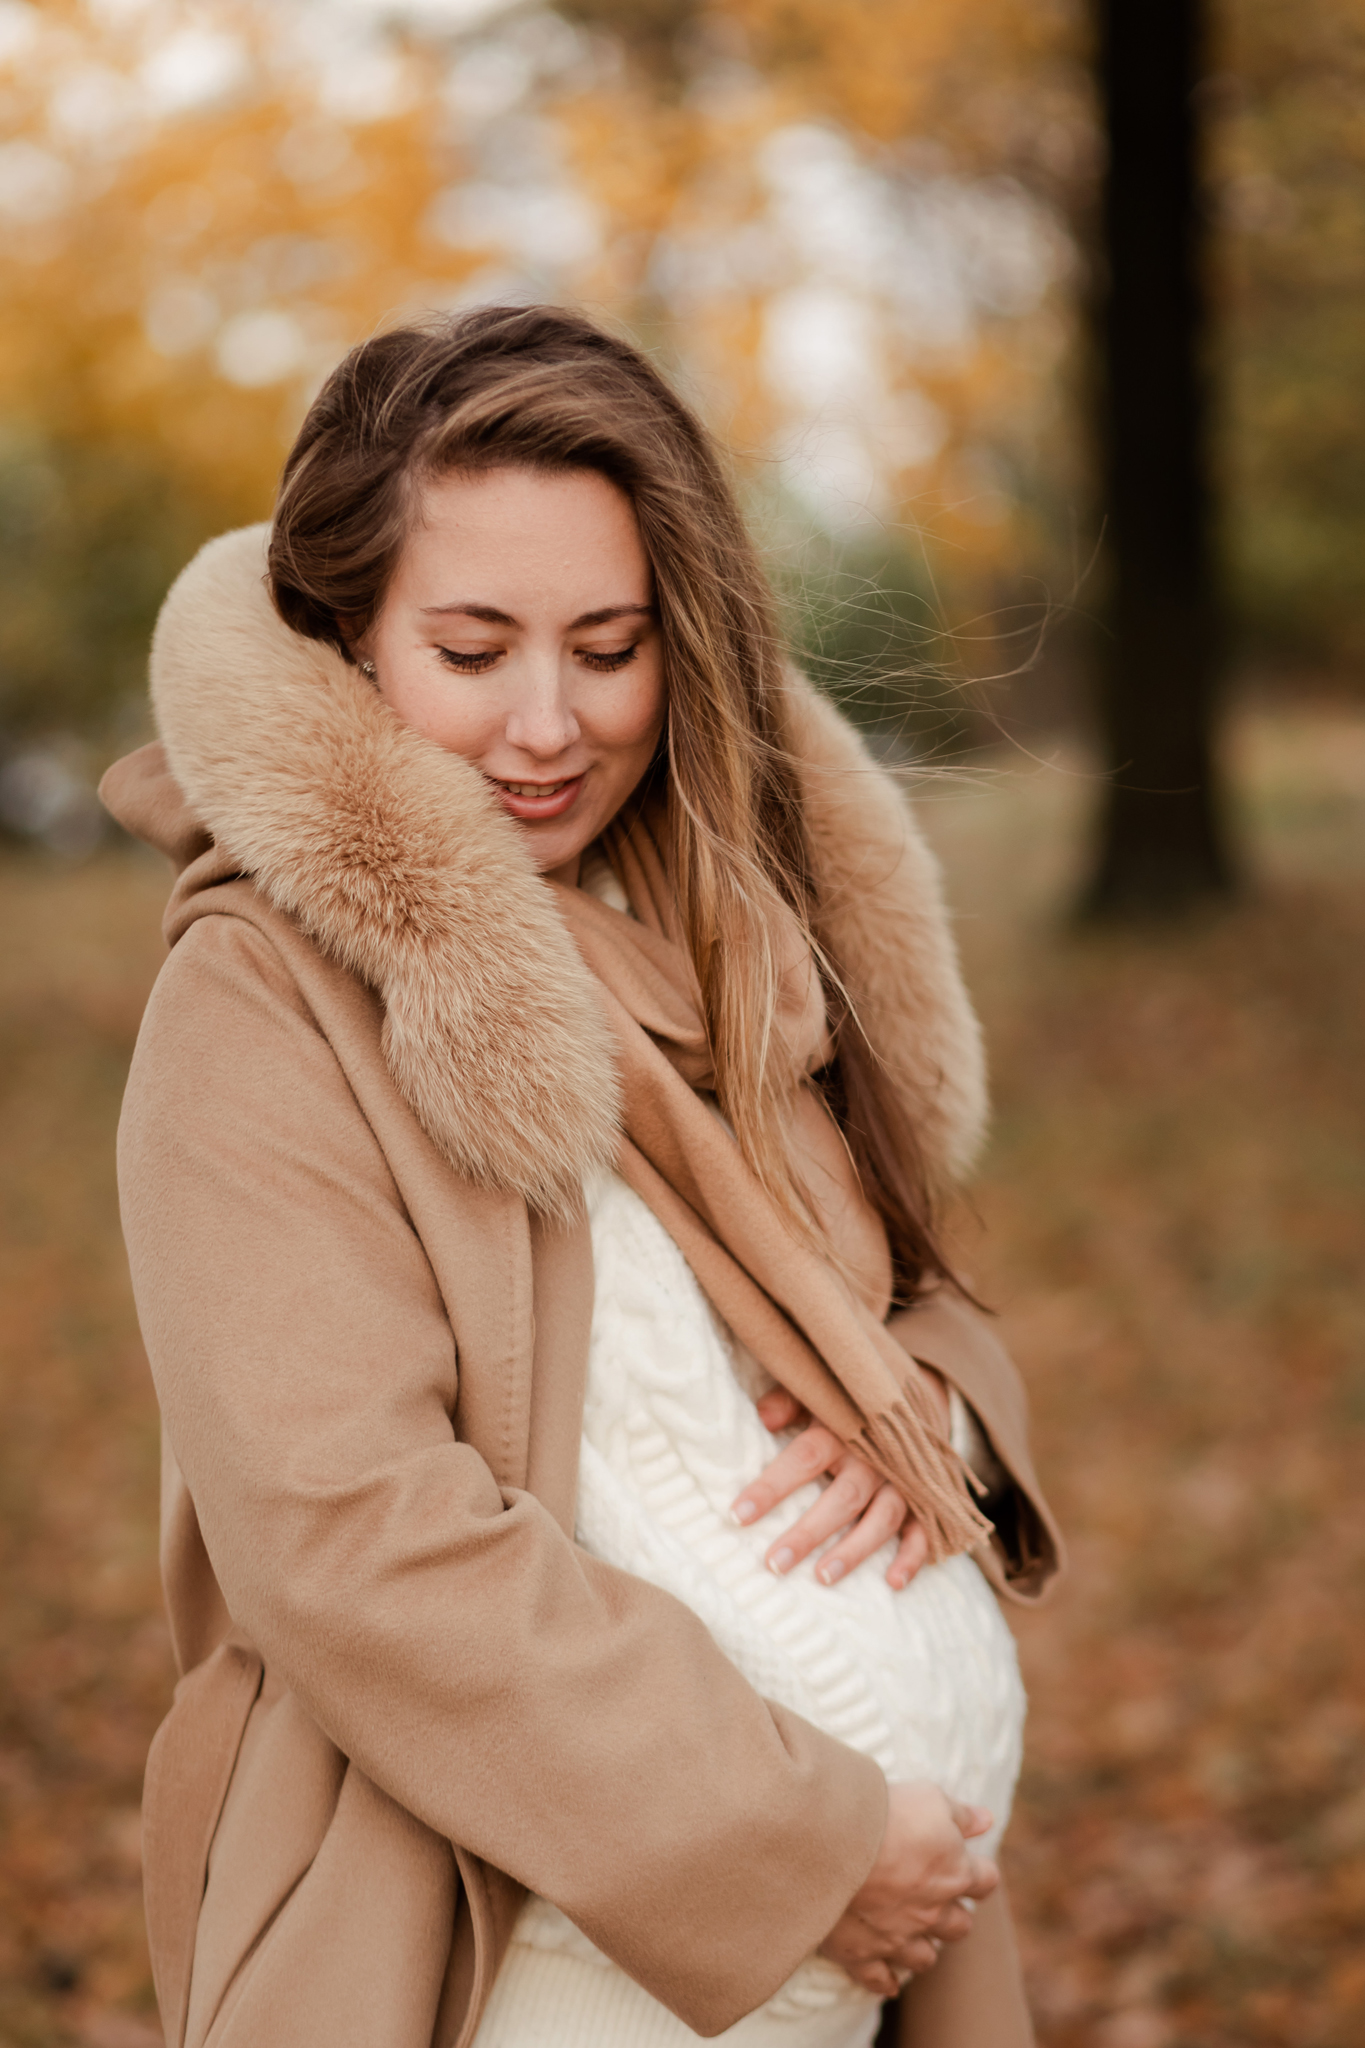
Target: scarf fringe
904	1444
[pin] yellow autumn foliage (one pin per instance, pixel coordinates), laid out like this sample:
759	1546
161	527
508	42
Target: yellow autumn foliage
180	271
182	257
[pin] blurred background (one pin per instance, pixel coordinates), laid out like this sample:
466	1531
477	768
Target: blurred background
883	246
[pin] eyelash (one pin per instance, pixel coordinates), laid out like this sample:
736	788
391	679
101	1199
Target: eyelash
608	664
479	664
466	664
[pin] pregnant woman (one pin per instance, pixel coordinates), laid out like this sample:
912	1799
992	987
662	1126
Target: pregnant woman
585	1482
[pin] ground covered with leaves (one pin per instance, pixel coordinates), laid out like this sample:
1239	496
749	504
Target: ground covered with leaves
1171	1220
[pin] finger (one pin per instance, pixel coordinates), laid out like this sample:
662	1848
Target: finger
842	1502
875	1976
982	1879
910	1555
804	1459
954	1923
970	1821
878	1522
915	1956
777	1410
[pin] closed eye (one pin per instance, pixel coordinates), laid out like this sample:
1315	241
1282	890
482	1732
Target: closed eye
607	663
469	664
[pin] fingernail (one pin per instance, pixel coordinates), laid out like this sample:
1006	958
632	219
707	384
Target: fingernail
744	1511
781	1560
896	1581
828	1573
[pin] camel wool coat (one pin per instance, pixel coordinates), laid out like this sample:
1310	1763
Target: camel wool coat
371	1077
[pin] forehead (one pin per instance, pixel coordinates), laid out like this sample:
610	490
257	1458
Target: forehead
560	525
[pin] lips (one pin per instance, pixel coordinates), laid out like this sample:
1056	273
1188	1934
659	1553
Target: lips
533	801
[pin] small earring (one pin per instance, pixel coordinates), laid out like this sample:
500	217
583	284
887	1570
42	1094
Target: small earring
367	670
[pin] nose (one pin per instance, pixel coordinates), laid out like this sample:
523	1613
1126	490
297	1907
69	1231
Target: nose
540	720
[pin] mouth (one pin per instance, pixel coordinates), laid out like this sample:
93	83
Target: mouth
532	801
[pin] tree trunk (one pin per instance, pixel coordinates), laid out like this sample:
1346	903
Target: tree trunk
1161	841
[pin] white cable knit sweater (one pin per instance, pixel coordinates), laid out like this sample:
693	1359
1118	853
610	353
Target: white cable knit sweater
924	1680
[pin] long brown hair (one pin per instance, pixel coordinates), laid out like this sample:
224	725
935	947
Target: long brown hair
542	387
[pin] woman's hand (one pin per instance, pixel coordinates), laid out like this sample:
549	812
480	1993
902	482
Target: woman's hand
911	1901
856	1500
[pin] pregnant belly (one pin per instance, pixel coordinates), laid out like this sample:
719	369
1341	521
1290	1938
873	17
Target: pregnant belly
924	1680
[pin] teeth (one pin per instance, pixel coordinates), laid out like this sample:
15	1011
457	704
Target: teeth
535	788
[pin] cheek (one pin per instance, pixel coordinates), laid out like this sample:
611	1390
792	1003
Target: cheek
458	720
635	719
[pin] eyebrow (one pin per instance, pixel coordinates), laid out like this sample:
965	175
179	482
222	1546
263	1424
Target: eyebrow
489	615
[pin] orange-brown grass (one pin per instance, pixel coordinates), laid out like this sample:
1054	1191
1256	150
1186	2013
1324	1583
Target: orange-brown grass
1173	1217
84	1655
1174	1212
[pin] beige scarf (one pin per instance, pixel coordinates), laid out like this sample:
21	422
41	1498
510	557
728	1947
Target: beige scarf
819	1336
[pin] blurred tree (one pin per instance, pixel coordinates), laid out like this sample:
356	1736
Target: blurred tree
843	221
655	32
181	257
200	207
91	534
1161	841
898	165
1289	184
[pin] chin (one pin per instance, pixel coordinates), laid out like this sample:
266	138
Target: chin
551	850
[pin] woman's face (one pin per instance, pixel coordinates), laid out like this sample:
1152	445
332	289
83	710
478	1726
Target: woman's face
519	631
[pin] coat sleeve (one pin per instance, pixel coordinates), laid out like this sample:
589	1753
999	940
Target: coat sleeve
946	1332
565	1721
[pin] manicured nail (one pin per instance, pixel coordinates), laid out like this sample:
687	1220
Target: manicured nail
781	1560
744	1511
828	1573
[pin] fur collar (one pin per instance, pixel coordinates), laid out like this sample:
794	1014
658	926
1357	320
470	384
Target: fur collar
395	859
